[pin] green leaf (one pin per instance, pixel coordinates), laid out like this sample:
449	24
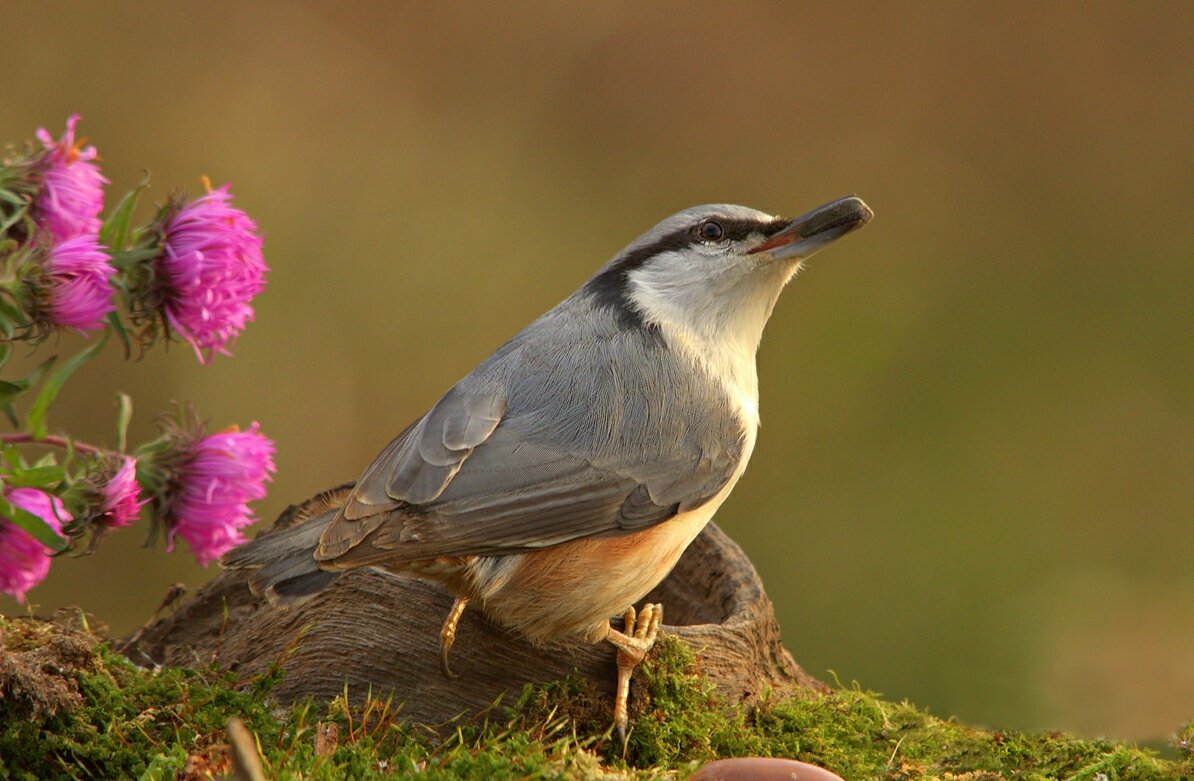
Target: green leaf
35	423
115	232
162	444
37	477
20	207
10	310
10	318
13	456
122	333
123	417
11	390
37	528
5	353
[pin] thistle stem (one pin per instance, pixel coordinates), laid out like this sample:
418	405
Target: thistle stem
62	442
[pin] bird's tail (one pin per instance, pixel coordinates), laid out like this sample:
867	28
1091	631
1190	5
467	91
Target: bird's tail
281	560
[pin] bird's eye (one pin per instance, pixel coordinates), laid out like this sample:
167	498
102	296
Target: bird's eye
710	230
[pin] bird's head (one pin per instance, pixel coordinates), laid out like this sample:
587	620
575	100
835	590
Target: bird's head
714	272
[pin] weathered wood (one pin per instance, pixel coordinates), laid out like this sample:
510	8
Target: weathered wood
379	632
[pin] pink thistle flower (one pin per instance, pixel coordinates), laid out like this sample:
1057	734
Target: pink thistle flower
121	503
210	270
72	193
80	275
25	562
217	479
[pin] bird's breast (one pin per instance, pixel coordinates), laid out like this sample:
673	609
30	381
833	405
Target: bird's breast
571	590
727	365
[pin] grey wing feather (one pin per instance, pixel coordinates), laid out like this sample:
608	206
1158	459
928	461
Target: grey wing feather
419	471
548	440
415	467
514	495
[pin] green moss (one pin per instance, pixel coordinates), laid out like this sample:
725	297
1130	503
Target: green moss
860	736
70	708
73	709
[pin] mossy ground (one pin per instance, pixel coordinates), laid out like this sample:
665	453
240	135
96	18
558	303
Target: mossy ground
72	708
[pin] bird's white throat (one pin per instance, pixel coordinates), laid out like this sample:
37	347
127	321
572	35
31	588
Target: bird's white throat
717	326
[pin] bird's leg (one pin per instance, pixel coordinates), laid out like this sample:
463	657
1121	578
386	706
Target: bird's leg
633	643
447	635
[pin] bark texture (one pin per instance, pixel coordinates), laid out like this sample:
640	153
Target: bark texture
380	632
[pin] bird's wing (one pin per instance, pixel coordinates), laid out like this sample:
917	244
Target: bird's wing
466	481
415	467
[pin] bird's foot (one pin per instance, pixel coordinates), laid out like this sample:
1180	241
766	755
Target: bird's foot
633	642
447	635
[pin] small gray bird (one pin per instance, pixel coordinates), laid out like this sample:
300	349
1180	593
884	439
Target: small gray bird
560	480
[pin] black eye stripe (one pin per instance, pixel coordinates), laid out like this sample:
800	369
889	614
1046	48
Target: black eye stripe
608	287
737	230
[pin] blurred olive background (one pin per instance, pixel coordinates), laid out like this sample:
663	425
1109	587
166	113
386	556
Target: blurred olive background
973	484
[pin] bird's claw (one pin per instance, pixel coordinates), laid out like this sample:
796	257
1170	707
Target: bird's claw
447	635
638	635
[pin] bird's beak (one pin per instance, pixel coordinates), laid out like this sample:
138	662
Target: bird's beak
806	234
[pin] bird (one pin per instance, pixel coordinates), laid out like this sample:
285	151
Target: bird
561	479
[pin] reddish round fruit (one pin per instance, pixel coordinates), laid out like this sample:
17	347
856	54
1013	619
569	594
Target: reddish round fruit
763	769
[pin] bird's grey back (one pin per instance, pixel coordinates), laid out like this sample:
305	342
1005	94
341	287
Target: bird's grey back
586	422
580	379
591	376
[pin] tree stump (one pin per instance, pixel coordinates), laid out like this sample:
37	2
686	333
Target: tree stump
378	632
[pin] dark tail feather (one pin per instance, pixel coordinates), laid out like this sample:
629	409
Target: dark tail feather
300	587
282	560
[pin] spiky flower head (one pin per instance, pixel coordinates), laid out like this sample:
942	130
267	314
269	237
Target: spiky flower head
25	562
72	194
77	280
210	269
121	501
210	484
